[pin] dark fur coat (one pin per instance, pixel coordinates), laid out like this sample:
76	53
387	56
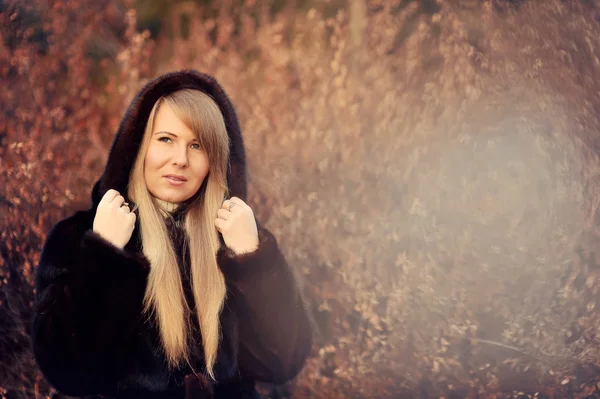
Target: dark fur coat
89	333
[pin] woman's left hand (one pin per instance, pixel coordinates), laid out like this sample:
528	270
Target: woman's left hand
235	221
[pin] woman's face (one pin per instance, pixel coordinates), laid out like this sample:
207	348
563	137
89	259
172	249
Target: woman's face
175	166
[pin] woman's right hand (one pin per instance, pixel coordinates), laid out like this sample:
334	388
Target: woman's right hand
114	221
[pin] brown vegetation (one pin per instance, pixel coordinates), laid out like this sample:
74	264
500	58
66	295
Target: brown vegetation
430	168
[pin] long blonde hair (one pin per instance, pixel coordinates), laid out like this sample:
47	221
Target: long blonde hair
165	297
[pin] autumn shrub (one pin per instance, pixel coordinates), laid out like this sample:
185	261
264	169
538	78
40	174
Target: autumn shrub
429	168
57	116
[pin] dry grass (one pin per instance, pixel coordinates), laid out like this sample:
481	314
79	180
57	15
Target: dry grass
430	168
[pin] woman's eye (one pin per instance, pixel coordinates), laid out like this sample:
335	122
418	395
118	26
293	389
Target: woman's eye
195	146
165	139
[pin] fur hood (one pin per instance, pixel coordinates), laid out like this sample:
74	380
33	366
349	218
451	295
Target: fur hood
128	139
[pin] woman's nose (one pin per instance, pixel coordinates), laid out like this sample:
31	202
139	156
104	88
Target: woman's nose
180	157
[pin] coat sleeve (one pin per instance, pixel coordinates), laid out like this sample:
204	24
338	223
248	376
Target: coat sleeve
89	297
275	335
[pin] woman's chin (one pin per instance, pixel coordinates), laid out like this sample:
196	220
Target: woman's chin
173	199
168	194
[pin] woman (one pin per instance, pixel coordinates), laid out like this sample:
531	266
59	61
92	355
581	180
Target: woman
190	298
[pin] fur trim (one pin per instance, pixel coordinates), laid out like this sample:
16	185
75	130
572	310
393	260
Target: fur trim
252	264
262	289
90	297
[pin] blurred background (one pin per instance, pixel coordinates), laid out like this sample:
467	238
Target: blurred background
430	167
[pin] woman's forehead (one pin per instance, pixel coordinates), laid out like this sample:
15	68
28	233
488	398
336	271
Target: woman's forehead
167	121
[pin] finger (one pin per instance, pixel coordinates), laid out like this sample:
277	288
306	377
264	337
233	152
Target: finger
237	200
125	207
233	203
229	206
226	204
223	214
220	225
109	195
118	200
132	216
239	203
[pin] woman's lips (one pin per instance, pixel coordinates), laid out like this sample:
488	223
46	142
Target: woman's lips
176	180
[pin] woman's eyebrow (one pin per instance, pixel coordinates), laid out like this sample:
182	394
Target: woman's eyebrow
165	132
194	140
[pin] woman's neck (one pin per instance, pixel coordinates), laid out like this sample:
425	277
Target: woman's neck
166	206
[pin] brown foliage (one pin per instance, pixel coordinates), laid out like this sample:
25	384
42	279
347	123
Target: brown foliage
53	138
429	168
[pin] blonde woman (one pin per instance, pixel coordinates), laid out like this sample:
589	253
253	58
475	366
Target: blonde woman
167	287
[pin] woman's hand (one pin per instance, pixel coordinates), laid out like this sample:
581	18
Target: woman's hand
114	221
235	221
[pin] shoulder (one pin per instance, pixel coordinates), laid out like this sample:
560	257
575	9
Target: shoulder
67	233
76	224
